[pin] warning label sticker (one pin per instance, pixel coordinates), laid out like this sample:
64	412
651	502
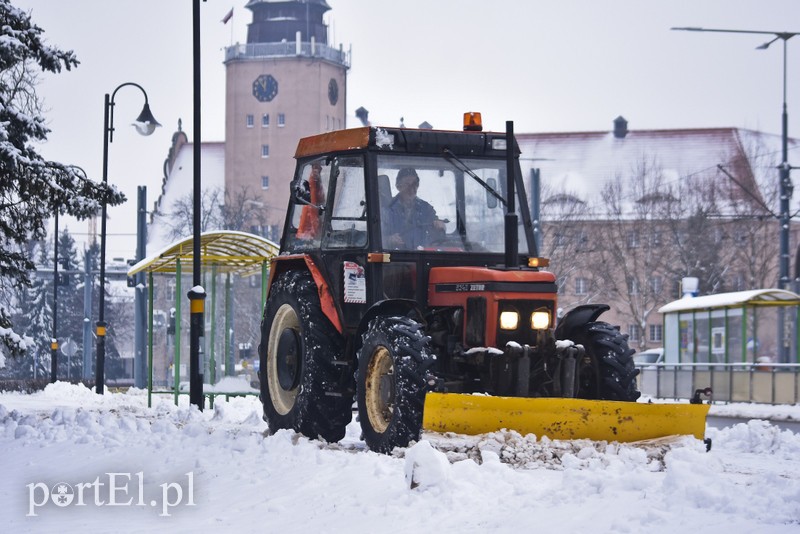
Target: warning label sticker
355	283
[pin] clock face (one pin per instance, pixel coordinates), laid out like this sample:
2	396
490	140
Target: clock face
333	92
265	88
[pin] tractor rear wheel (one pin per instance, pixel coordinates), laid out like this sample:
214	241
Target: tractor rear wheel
393	369
300	385
614	376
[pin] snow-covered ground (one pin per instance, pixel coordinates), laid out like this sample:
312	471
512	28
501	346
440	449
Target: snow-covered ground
73	461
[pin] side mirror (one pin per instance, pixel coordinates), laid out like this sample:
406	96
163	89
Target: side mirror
491	200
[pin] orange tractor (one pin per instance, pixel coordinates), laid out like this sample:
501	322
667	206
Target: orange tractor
409	280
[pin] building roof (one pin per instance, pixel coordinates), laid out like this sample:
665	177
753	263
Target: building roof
736	299
178	183
580	164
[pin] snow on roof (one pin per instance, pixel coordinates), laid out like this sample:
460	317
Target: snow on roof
752	297
180	183
581	163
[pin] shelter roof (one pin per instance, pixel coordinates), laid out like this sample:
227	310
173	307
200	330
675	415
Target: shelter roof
736	299
233	252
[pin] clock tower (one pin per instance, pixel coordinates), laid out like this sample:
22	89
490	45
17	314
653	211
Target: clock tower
285	83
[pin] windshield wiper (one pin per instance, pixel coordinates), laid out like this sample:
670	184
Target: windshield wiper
449	156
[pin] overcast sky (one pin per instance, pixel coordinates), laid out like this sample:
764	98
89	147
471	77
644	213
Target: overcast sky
551	66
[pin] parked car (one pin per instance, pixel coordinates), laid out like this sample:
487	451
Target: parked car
648	357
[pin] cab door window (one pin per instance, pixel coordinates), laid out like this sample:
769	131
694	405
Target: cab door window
309	196
348	220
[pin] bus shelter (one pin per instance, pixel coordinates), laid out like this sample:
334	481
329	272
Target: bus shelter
224	255
729	341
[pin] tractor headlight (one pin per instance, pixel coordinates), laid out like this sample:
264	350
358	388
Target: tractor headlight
540	320
509	320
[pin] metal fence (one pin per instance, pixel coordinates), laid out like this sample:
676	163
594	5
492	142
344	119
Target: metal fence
766	383
287	49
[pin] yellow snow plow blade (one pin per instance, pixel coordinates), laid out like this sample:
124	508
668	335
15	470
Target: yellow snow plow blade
559	418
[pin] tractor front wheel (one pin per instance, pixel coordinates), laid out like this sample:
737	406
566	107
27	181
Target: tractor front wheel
614	376
393	379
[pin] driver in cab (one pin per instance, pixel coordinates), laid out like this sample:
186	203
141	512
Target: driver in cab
412	221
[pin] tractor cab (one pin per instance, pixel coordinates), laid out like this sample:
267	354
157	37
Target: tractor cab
383	206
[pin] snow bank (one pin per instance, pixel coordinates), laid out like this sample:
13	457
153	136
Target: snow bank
229	473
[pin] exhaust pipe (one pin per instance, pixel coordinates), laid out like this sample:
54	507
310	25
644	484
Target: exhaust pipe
511	228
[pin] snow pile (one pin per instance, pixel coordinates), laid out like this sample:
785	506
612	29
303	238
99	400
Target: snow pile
528	452
174	467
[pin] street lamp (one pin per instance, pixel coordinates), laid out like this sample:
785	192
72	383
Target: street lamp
784	169
145	124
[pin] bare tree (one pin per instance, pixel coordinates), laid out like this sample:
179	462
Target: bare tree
753	224
631	255
180	218
240	211
243	209
566	241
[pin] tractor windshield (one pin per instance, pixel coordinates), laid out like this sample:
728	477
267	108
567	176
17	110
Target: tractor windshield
430	203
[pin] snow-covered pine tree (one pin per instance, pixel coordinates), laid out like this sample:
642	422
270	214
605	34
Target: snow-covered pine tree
35	306
31	187
70	303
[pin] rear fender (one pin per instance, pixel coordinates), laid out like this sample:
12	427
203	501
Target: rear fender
281	264
577	317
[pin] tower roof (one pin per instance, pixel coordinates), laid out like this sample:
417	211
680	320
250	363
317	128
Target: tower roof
322	3
276	21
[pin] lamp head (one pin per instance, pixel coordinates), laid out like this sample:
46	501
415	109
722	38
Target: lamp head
766	45
145	123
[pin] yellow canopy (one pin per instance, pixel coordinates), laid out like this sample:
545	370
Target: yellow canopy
234	252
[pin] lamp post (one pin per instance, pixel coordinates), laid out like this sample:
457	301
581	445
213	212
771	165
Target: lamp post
54	338
784	170
197	295
145	124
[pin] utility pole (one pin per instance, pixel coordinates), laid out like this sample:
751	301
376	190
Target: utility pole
140	299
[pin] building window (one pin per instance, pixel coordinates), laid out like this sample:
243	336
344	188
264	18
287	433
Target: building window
249	120
634	332
265	120
655	239
739	282
656	333
582	240
264	151
265	182
281	120
171	291
633	239
655	285
581	286
633	286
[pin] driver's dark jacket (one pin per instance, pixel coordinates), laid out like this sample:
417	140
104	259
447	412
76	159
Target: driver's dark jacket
415	226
